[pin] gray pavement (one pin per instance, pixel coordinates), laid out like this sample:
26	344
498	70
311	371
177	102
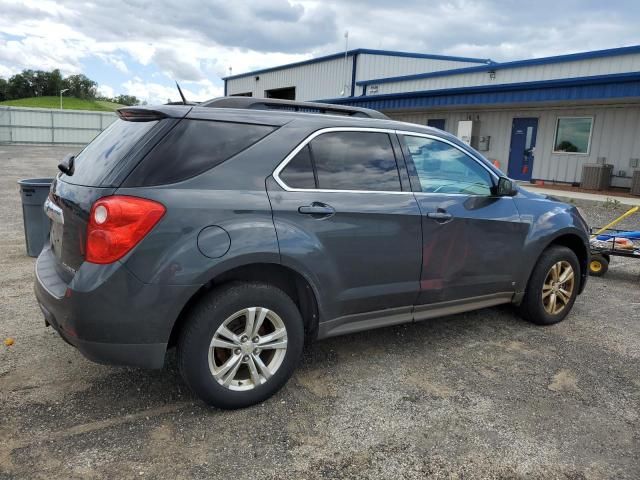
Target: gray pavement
476	395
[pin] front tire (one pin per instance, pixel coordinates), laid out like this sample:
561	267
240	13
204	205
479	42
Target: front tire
240	345
552	288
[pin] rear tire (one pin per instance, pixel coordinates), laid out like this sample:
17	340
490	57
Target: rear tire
552	288
240	345
598	265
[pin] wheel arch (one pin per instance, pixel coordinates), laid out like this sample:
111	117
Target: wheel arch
293	283
576	244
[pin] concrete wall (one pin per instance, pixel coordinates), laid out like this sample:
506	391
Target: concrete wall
40	125
615	135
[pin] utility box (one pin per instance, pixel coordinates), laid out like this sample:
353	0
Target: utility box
468	132
596	176
635	183
484	143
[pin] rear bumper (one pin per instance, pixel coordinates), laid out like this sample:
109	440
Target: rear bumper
108	314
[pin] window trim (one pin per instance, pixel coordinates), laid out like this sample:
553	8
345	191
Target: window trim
390	131
317	133
555	135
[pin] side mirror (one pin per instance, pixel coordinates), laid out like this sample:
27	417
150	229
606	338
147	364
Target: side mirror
505	188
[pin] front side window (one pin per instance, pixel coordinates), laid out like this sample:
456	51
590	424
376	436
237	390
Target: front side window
442	168
573	135
355	161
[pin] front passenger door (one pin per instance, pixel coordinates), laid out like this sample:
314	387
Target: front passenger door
471	239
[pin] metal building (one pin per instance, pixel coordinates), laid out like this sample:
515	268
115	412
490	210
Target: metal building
540	119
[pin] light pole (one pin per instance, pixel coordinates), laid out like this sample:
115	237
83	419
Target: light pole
61	92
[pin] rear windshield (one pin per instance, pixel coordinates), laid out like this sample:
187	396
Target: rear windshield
193	147
98	158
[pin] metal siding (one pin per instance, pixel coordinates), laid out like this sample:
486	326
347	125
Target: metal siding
322	79
602	87
312	81
377	66
579	68
615	135
39	125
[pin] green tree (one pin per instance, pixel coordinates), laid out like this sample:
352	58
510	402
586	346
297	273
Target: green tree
3	89
55	83
19	86
80	86
129	100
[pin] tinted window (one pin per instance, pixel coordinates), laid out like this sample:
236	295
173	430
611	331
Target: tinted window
442	168
99	157
355	161
299	173
193	147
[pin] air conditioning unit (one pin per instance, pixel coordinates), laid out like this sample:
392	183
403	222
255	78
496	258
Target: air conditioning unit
596	176
635	183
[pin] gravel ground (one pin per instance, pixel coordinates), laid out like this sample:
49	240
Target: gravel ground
477	395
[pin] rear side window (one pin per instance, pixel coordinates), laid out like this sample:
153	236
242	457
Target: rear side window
355	161
98	158
193	147
345	161
299	171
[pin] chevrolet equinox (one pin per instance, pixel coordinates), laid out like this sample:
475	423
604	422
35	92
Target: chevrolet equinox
238	228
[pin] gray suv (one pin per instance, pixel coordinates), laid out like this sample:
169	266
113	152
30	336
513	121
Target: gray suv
239	228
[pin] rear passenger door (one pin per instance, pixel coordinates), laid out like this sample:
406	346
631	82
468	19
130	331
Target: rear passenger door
345	215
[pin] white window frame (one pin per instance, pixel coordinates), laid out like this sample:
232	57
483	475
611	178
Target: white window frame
555	135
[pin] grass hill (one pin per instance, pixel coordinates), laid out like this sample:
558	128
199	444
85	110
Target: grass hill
70	103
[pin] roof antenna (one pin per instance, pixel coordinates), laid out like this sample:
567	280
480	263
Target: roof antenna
184	100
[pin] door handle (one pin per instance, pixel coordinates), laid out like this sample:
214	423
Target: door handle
317	209
441	217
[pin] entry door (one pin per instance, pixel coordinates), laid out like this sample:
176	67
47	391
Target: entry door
522	151
345	218
472	240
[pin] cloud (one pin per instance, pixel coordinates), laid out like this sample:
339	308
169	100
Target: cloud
154	93
176	65
106	91
196	42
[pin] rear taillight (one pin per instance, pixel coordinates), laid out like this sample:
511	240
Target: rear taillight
117	224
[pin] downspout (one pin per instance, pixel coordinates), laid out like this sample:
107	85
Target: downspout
354	64
225	87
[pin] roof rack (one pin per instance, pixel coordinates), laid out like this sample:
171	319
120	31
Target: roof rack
292	106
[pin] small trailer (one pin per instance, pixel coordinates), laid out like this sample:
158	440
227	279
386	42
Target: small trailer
607	242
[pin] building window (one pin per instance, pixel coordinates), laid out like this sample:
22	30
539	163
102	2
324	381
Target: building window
573	135
244	94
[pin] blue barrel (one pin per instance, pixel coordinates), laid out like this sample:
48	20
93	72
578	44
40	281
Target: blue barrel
34	192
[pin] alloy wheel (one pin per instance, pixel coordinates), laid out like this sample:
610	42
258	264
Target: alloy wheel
248	348
558	286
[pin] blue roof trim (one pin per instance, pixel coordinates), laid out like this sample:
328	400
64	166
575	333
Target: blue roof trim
357	51
611	52
580	88
430	56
